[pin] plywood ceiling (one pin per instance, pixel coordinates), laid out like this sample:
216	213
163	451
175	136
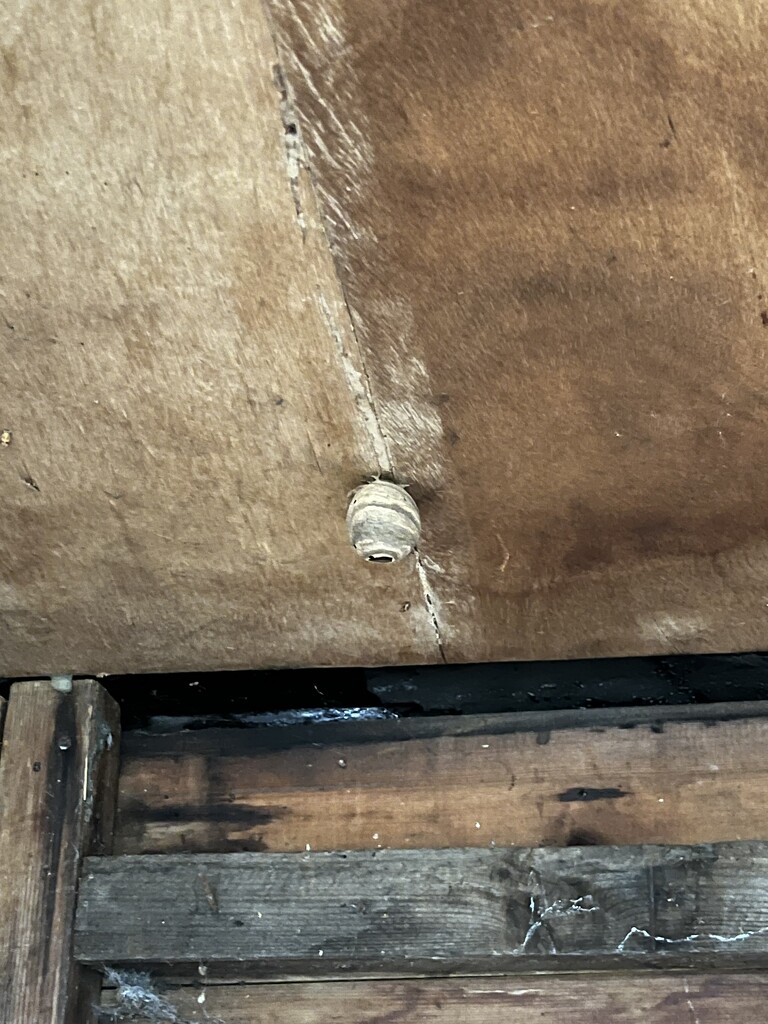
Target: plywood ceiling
512	255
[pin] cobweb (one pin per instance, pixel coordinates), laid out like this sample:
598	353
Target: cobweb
136	999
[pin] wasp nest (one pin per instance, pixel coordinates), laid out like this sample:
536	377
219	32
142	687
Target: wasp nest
383	522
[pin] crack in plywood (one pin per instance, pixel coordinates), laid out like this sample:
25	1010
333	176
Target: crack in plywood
360	387
337	312
430	602
689	1001
293	146
353	365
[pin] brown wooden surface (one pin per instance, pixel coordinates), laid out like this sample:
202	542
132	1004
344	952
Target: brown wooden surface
414	912
58	775
548	220
621	777
185	406
658	999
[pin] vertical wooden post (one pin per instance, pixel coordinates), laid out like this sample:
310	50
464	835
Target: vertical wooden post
58	782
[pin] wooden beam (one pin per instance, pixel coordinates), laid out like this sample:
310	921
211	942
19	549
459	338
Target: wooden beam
58	775
608	999
504	687
419	912
623	776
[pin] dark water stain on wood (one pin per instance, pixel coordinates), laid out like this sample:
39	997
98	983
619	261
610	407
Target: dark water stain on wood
235	828
582	794
223	813
585	837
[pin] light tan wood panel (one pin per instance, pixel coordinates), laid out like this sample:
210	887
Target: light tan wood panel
480	783
660	999
182	406
549	220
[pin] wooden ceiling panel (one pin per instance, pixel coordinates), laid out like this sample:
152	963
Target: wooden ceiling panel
544	307
180	387
549	221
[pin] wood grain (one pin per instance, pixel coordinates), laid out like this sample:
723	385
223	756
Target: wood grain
184	409
548	220
608	999
548	227
566	778
58	779
435	912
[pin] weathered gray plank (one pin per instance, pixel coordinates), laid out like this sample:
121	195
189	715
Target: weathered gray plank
430	911
58	779
673	998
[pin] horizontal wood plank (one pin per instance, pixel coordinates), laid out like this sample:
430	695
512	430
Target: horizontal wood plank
419	912
608	999
503	687
663	775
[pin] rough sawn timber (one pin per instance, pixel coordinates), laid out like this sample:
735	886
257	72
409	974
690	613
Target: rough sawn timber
609	999
413	912
615	776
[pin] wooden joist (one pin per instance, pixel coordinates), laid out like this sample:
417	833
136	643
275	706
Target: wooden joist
674	998
629	776
58	775
417	912
425	782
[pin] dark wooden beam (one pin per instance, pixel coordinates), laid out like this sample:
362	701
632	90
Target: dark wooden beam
429	911
180	735
58	780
